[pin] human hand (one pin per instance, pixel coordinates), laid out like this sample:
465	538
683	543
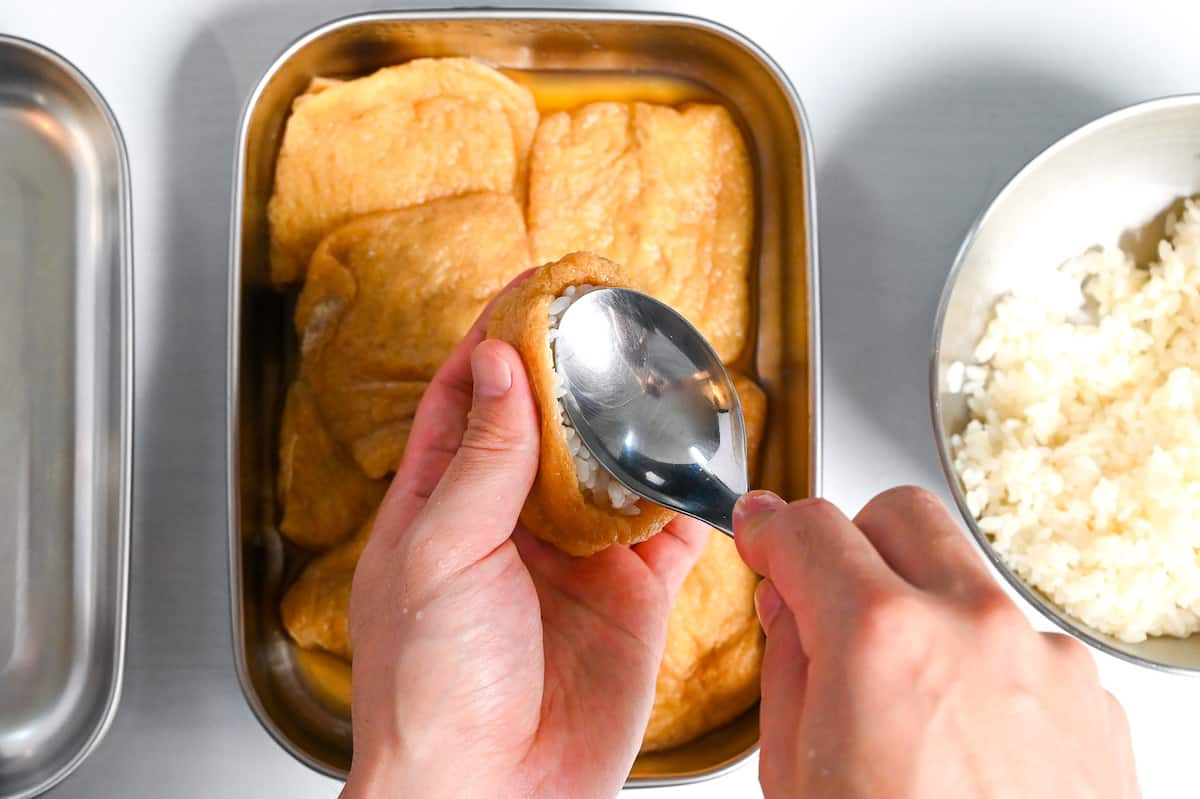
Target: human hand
486	662
895	666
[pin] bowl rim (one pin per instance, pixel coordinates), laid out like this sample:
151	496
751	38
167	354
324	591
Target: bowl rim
1032	596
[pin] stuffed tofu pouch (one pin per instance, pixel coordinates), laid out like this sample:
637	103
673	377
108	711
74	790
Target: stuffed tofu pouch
575	504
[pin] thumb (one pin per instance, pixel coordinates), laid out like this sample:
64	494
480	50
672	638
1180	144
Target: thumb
475	506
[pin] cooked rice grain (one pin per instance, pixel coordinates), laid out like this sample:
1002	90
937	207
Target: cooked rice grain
1082	457
592	476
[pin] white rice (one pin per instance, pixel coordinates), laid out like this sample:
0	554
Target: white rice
593	478
1082	457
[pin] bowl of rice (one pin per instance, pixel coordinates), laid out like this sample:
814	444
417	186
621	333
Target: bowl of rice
1065	383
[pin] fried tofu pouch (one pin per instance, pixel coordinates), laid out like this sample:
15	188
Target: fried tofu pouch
323	494
712	663
316	609
558	510
430	128
666	193
388	297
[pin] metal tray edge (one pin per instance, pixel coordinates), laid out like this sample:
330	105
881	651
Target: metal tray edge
126	400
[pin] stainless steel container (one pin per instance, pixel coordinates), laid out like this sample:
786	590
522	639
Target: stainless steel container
1109	184
572	45
65	416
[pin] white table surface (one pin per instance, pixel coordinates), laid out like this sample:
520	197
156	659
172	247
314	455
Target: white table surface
921	111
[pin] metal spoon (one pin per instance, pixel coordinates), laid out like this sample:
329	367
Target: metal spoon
652	401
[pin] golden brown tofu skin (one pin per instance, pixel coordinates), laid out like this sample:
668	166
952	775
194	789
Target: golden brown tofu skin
666	193
711	667
402	136
754	414
323	494
713	658
388	297
558	510
316	609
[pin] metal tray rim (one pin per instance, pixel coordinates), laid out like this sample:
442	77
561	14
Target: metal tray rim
233	330
126	399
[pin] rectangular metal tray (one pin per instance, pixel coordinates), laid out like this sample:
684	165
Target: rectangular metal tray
65	416
261	350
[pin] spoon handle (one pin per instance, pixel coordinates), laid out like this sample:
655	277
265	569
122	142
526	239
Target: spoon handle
715	506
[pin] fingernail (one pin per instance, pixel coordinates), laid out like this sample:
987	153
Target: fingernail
752	507
767	603
491	374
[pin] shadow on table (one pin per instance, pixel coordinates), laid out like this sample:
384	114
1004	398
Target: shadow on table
179	639
896	195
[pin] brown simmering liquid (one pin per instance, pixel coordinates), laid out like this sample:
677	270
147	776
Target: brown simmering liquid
328	676
564	90
553	90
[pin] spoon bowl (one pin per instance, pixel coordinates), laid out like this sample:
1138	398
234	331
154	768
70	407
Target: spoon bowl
653	403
